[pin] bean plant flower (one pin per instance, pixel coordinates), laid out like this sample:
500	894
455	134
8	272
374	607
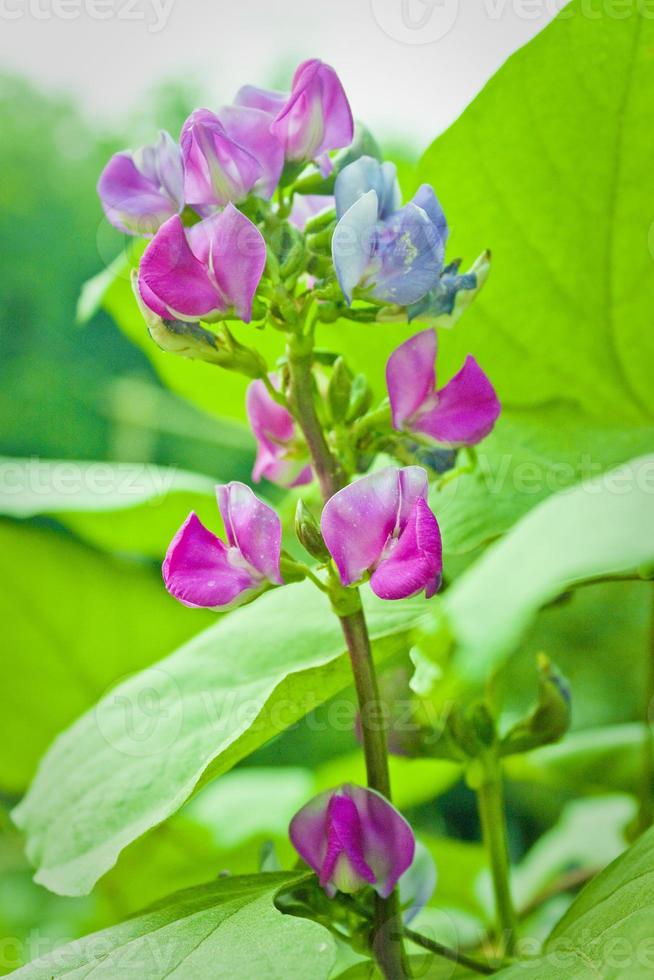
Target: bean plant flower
393	253
227	154
460	413
203	271
201	570
281	454
381	525
353	837
142	189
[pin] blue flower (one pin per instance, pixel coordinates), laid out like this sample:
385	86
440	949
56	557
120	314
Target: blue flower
394	253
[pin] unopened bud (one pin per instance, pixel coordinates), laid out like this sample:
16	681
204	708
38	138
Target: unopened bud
549	719
338	392
360	398
309	534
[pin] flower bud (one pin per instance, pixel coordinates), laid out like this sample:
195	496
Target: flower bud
360	398
338	391
308	533
549	719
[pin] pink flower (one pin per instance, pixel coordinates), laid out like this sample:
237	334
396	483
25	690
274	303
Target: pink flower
353	837
382	525
201	570
202	272
460	413
281	457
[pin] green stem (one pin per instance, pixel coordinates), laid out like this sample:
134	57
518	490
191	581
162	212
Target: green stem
448	954
386	941
490	799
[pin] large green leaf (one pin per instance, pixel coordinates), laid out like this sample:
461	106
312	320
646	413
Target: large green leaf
607	930
227	929
549	167
135	759
602	528
124	507
74	622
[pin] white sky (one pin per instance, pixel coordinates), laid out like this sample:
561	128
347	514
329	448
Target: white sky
408	66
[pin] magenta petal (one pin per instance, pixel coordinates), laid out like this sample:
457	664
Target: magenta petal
217	169
466	409
274	429
250	129
260	98
415	563
234	251
351	837
317	116
358	521
174	275
197	571
253	527
411	375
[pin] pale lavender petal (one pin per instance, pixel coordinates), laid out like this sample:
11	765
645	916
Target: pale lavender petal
267	100
417	884
253	527
426	199
466	409
234	251
354	242
409	256
197	571
317	116
307	206
274	429
411	376
358	521
363	175
414	486
131	201
217	169
178	280
415	563
250	129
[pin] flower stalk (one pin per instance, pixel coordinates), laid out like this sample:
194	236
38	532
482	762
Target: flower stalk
386	941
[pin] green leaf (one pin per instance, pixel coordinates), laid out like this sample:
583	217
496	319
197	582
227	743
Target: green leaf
63	638
602	528
607	930
137	757
531	454
226	929
133	508
549	167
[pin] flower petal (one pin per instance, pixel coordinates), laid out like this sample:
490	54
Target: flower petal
267	100
176	277
197	571
253	527
415	564
389	844
358	521
363	175
317	116
344	863
466	409
417	884
426	199
217	169
274	430
250	129
234	250
411	376
353	242
410	256
306	206
132	201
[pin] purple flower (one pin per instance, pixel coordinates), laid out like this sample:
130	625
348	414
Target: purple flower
395	253
382	524
141	190
281	457
261	98
228	154
353	837
205	271
460	413
201	570
316	117
452	295
417	884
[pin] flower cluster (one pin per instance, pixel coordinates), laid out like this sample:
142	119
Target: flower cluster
253	216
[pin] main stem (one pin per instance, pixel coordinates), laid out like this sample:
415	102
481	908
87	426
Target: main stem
387	936
490	799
